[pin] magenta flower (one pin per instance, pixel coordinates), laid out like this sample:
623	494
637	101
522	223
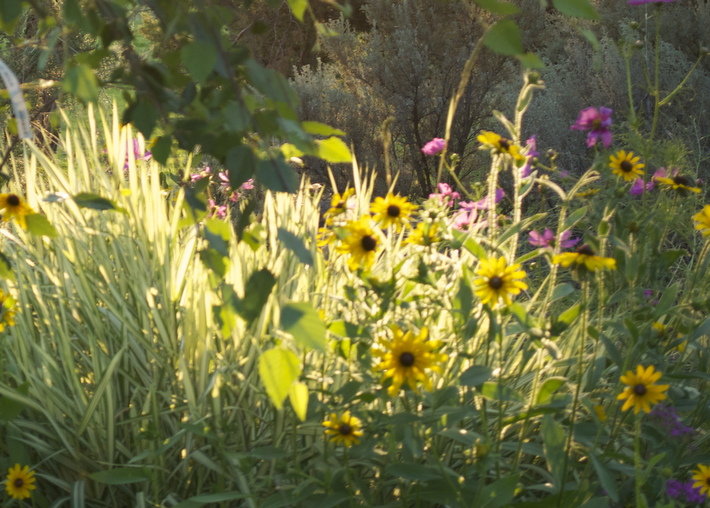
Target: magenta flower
434	147
531	154
597	122
481	204
219	211
547	239
468	221
445	193
639	187
202	174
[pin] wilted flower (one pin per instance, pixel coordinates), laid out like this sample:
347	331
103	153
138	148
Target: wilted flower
434	147
547	239
598	123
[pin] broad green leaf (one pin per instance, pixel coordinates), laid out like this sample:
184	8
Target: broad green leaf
217	233
276	175
144	116
333	150
298	395
257	291
577	8
302	321
38	225
570	314
96	202
504	38
553	439
321	129
530	61
241	165
10	10
496	391
606	478
236	117
11	408
161	149
298	8
574	217
278	369
495	7
295	245
666	302
561	290
550	386
476	375
81	82
199	58
499	493
121	476
591	38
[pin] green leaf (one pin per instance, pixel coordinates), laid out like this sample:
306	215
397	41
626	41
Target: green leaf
553	444
499	493
161	149
561	291
121	476
413	472
11	408
241	165
276	175
606	478
81	82
574	217
504	38
570	314
496	7
496	391
199	58
577	8
96	202
302	321
257	291
10	10
298	8
38	225
268	453
321	129
211	498
550	386
278	369
295	245
144	116
591	38
333	150
476	375
6	268
298	395
530	61
666	302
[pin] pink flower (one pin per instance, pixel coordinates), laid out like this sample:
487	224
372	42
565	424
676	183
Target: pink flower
639	187
547	239
531	154
446	195
467	221
597	122
434	147
202	174
481	204
219	211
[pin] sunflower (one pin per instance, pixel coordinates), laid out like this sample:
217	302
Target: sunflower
20	481
498	280
338	205
679	182
406	357
325	237
626	165
15	206
702	220
641	389
361	243
424	234
344	429
702	477
7	313
392	210
500	144
586	257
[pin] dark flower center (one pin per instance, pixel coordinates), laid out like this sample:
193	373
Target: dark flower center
640	389
393	211
626	166
495	282
406	359
596	124
13	200
340	205
368	243
586	250
504	144
707	481
18	483
345	429
681	180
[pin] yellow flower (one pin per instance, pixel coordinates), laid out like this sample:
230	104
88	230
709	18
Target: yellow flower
20	481
702	479
626	165
586	257
392	210
15	207
338	205
344	429
587	193
423	234
679	182
498	280
702	220
7	313
406	357
325	237
500	144
641	391
599	411
361	243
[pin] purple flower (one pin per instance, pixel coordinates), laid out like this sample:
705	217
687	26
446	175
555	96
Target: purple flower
597	122
547	239
434	147
531	154
684	491
639	187
667	418
446	195
641	2
481	204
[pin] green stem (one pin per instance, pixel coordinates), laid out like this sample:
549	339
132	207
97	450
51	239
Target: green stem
640	500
